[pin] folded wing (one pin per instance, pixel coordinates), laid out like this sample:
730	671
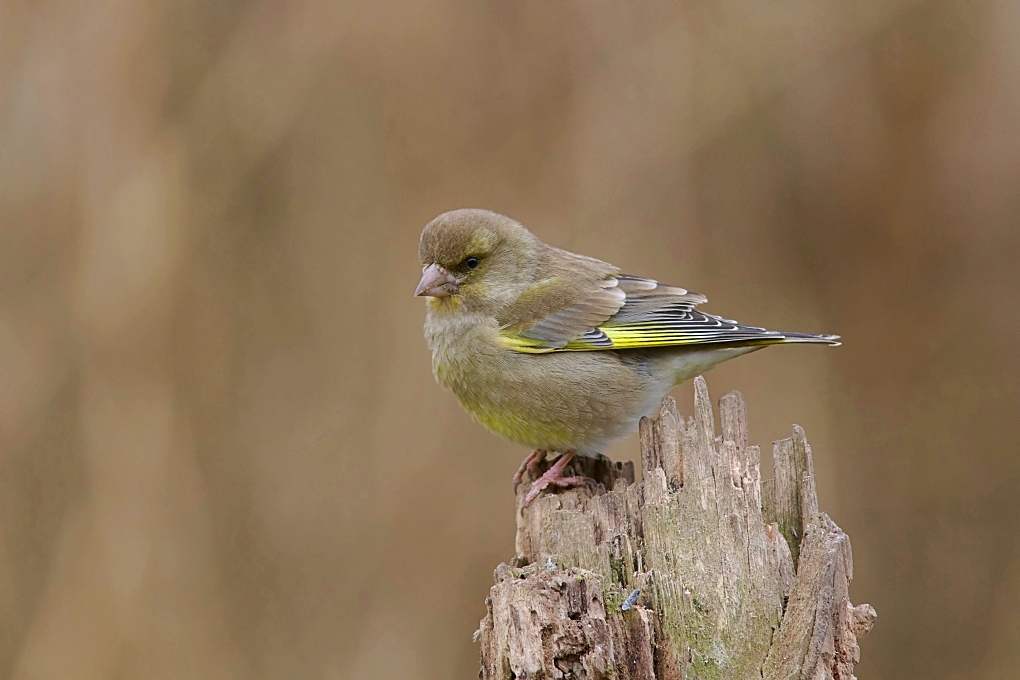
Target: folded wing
630	312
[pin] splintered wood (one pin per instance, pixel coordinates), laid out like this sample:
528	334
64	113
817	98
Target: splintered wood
701	570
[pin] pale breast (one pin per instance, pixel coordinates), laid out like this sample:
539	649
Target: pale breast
558	401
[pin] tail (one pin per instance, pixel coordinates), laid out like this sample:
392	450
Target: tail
687	361
763	338
822	339
735	334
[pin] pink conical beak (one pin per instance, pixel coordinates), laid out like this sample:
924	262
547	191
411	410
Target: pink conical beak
436	282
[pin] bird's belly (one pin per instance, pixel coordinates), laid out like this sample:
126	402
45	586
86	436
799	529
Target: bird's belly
556	402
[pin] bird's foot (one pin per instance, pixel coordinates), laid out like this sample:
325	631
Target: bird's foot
554	477
530	464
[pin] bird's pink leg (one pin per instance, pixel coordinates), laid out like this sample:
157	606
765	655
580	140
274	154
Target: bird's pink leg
554	477
529	464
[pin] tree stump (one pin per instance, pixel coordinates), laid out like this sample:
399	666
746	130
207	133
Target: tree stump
701	570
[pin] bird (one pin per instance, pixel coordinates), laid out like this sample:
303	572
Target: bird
556	351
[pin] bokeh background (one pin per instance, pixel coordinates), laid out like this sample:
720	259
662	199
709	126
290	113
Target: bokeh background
223	453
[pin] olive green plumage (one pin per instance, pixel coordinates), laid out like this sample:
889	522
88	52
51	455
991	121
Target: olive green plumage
559	351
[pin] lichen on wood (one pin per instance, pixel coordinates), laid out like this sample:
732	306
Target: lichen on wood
729	577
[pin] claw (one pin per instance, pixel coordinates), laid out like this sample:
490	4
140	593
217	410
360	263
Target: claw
554	477
530	464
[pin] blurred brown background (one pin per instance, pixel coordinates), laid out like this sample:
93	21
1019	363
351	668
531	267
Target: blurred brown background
223	454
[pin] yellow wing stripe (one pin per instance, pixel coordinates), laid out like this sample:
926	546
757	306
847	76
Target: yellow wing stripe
623	337
521	344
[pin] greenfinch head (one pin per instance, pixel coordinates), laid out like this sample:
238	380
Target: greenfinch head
480	259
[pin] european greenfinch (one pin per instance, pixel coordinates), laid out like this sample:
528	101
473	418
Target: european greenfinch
556	351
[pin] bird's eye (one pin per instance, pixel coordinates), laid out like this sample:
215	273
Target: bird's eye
471	262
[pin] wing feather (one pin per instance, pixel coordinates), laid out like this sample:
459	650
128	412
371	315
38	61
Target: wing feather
577	295
630	312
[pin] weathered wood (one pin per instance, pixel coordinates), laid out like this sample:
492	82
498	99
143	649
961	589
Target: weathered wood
818	637
682	575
